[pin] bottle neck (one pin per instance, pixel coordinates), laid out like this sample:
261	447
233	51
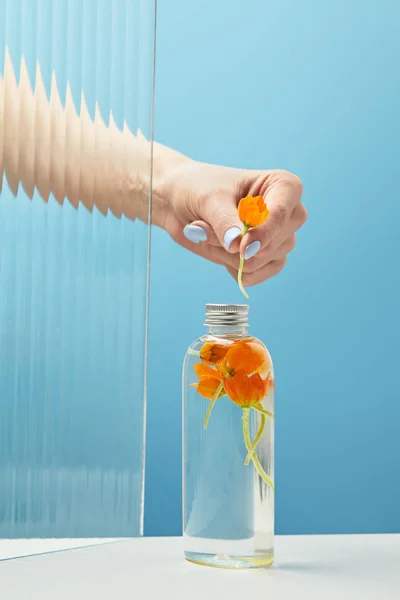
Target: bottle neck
234	331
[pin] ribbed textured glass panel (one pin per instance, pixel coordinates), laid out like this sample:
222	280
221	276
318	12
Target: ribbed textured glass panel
75	160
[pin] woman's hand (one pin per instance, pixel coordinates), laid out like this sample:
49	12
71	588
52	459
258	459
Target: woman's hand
197	206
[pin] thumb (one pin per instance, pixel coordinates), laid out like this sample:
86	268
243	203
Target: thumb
221	214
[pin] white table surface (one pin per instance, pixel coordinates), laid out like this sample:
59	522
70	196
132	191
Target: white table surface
24	547
307	568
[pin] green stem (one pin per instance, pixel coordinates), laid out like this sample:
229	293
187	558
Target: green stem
193	352
241	266
262	410
256	440
240	275
211	405
266	478
247	441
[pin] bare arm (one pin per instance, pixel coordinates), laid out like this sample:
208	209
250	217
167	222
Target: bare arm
48	146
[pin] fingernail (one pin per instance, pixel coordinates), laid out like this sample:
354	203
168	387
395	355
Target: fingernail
195	234
231	235
252	249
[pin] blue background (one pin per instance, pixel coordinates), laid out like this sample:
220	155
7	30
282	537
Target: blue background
314	88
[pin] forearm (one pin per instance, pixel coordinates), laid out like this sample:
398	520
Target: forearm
48	146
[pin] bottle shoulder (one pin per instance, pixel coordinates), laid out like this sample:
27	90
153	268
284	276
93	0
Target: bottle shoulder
226	339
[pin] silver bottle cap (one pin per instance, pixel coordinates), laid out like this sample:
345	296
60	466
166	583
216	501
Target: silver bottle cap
227	314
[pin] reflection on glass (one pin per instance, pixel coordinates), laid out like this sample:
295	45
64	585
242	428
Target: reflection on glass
75	153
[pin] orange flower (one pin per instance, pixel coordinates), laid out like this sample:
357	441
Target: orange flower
209	380
246	390
213	352
207	387
246	355
205	371
252	211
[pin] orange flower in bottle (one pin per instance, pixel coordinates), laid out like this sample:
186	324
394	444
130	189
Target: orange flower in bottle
213	353
246	355
209	382
207	387
202	371
238	369
253	212
239	376
246	390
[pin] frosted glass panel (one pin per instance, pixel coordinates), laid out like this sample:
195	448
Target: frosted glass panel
75	129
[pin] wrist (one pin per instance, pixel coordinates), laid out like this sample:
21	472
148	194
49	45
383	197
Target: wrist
169	167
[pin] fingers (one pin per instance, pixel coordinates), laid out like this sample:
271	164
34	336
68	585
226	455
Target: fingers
259	261
200	231
299	216
264	258
202	248
270	270
222	215
221	225
217	234
264	266
283	201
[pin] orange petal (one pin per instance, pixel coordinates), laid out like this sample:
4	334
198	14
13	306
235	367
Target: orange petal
237	388
253	217
261	204
207	387
263	216
252	211
203	370
213	353
246	390
248	355
259	387
242	208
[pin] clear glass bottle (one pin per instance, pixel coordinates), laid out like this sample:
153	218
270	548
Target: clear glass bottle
228	445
